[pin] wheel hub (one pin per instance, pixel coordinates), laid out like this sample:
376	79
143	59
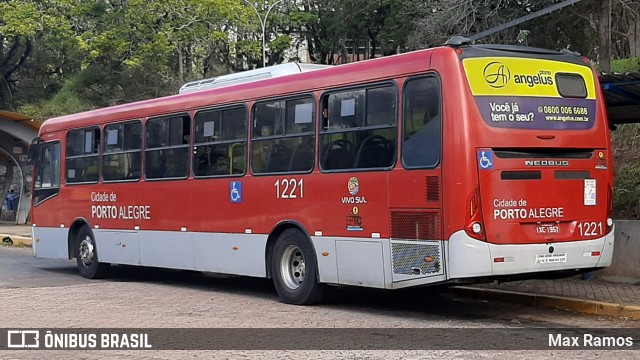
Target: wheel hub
292	267
86	251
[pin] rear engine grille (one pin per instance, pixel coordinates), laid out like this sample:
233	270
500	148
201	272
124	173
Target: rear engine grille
413	225
416	259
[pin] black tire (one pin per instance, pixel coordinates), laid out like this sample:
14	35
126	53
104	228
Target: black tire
294	269
87	258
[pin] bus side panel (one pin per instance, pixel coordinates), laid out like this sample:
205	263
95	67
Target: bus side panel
240	254
167	249
118	246
326	258
361	263
50	242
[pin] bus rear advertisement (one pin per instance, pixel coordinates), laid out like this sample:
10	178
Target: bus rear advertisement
458	164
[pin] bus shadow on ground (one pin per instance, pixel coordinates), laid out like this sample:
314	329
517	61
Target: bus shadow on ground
194	279
420	302
414	302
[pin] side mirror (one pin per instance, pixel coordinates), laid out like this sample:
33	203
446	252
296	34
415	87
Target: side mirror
34	151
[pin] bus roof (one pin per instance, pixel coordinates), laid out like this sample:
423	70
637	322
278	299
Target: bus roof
333	76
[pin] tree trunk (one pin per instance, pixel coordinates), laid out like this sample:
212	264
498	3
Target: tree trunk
6	102
604	50
633	37
180	66
12	58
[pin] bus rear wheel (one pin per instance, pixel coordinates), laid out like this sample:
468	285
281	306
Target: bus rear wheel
87	256
294	269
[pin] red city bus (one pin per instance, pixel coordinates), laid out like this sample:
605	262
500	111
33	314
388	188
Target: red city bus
457	164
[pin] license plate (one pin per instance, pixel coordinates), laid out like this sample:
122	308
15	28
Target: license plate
551	258
547	229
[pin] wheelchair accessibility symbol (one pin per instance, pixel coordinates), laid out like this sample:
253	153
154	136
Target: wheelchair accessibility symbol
235	191
485	159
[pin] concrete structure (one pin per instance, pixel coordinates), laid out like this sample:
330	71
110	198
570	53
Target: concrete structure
16	133
626	254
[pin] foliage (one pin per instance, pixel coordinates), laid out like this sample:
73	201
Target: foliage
66	101
22	24
127	50
346	31
626	145
626	65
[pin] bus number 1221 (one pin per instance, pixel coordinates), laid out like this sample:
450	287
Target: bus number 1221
289	188
590	228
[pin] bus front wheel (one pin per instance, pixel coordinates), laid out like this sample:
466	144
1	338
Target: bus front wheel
87	256
294	269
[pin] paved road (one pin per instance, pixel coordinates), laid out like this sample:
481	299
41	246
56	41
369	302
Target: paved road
39	293
18	269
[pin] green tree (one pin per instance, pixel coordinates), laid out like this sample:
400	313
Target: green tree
345	31
138	49
23	25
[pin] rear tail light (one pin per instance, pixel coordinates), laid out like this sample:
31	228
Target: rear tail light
475	222
609	209
591	254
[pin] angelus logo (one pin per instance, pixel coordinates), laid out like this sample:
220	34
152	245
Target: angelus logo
543	77
496	74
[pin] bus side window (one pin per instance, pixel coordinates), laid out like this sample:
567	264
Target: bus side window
82	156
219	146
300	125
167	148
361	129
422	125
283	136
122	152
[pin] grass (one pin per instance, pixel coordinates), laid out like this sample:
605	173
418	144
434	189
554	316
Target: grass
7	241
625	65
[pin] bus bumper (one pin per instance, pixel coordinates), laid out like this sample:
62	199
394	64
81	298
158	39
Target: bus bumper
468	257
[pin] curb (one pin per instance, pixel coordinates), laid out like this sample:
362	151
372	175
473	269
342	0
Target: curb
590	307
16	239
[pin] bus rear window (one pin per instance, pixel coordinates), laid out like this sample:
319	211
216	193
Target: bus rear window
571	85
532	93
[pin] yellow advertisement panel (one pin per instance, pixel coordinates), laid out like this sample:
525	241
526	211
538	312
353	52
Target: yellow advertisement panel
508	76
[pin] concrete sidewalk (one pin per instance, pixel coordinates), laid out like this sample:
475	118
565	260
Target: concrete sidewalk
574	294
18	234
